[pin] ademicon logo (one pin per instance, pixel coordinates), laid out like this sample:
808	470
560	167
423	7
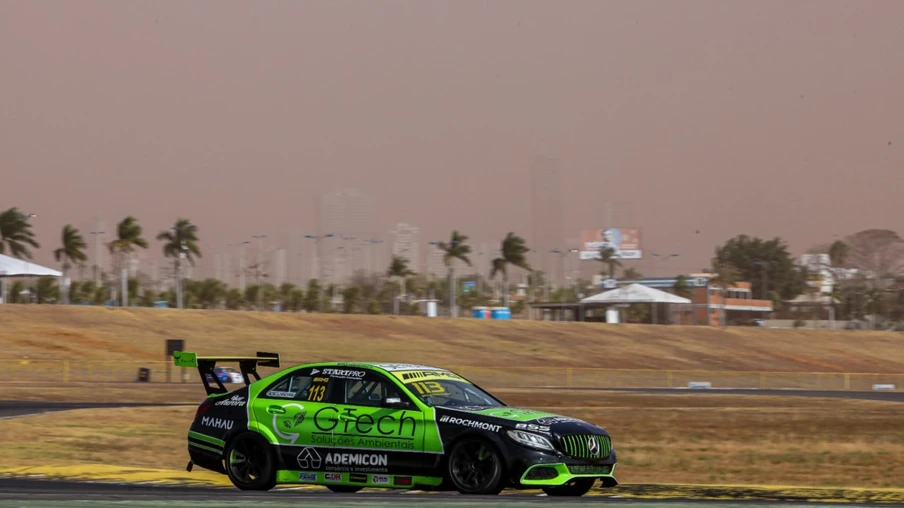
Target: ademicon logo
217	423
470	423
363	459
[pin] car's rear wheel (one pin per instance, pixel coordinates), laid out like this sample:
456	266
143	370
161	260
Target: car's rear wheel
475	467
343	489
249	462
576	487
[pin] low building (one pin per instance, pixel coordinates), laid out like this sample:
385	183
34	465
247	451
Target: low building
707	307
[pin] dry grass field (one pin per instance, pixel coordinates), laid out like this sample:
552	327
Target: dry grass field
713	439
660	438
92	333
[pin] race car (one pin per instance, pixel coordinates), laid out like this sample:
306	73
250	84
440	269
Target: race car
348	426
226	375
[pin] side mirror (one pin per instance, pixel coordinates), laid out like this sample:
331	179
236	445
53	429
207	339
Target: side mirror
395	402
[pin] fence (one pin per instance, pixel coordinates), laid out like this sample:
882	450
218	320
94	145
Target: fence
78	371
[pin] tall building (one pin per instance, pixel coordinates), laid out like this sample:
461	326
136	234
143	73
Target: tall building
348	214
405	243
547	217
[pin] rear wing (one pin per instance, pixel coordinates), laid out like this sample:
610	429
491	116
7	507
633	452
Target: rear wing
205	365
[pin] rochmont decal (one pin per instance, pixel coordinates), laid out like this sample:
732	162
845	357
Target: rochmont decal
235	400
345	373
469	423
217	423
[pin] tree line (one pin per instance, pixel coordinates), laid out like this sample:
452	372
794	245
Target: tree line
865	268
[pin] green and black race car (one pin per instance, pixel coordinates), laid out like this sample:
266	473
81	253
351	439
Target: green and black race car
353	425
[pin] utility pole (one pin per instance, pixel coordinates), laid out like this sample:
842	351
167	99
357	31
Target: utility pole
260	266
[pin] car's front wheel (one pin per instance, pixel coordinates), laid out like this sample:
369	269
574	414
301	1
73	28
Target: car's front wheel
249	462
576	487
475	467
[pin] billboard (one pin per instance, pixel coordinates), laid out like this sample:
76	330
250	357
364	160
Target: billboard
624	241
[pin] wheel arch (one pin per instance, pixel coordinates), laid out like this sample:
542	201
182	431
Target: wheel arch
492	438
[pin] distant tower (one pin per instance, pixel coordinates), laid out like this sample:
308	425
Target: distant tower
547	217
348	214
405	243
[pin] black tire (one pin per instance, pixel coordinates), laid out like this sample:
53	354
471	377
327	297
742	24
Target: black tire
475	467
577	487
249	462
344	489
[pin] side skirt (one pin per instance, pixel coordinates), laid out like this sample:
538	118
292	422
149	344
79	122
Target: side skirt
363	480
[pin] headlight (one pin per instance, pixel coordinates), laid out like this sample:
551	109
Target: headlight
530	440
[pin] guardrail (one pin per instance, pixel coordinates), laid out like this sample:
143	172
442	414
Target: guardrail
82	371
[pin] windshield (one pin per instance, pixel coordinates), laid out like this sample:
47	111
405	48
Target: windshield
451	393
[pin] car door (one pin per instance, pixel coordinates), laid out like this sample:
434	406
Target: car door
378	430
288	410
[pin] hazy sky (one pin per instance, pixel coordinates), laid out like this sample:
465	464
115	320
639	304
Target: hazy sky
761	117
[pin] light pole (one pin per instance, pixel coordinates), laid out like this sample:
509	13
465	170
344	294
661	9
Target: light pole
242	283
97	235
665	257
562	255
260	267
429	264
27	268
316	263
764	265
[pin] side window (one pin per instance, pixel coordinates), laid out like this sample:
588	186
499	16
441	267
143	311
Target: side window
300	385
370	391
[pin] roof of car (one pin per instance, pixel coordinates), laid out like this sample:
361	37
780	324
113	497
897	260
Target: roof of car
391	367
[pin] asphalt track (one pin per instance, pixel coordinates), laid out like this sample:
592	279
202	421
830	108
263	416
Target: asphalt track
41	493
14	409
31	493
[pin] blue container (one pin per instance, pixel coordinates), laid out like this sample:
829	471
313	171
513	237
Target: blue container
480	312
161	304
501	313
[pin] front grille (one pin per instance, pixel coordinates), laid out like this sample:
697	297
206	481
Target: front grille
581	446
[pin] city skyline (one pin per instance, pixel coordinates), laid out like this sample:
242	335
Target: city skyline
718	119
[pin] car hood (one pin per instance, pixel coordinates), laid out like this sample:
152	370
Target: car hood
531	420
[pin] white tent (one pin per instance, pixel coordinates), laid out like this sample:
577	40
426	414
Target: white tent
12	267
633	293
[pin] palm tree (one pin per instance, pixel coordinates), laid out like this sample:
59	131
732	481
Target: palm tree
71	251
725	275
455	249
15	234
398	268
608	258
128	236
181	243
512	253
682	288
